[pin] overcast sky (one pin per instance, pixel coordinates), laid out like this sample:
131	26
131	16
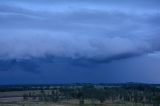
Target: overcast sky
65	41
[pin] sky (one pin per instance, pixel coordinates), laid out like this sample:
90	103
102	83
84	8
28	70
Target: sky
79	41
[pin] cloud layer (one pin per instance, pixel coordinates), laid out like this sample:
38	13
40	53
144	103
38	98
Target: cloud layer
65	41
78	29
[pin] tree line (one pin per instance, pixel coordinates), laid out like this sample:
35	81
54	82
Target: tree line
145	94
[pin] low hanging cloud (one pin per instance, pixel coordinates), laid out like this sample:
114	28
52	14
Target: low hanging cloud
87	32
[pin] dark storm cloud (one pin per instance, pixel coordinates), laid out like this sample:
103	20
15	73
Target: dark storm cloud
78	30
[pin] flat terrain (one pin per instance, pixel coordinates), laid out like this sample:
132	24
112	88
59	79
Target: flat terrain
18	101
81	95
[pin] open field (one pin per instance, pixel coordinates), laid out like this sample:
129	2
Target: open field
67	104
81	95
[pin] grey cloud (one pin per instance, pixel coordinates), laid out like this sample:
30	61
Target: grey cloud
98	35
29	65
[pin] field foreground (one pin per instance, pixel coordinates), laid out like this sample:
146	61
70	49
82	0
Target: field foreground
81	95
69	104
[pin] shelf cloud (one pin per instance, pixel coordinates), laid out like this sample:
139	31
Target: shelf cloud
79	40
77	30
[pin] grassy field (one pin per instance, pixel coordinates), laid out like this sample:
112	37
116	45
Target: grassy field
18	101
62	104
90	95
